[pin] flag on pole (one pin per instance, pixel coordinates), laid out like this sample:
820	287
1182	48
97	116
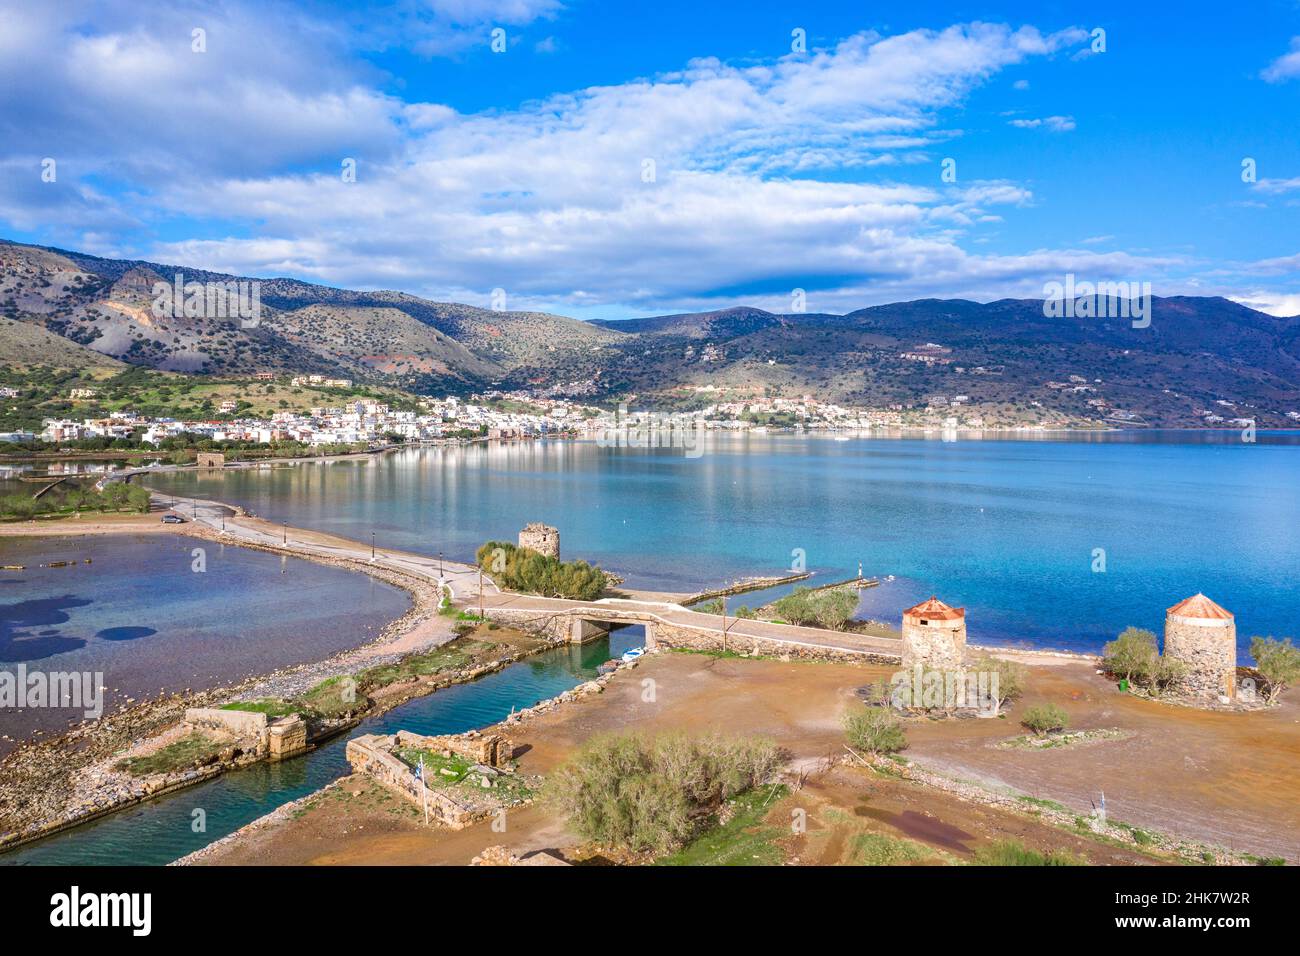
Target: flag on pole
424	790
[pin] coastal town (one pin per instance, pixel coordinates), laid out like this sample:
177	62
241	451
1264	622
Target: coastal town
495	415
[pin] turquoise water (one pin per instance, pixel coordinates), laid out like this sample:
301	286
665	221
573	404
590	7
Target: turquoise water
1008	529
141	615
161	831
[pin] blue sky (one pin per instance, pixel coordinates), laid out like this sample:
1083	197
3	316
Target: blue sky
773	168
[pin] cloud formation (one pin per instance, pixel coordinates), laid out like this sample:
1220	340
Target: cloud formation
708	185
1285	67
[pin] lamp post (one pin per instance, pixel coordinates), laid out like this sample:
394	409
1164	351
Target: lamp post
439	564
285	539
372	547
724	624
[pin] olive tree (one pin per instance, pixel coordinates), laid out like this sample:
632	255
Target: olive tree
1278	661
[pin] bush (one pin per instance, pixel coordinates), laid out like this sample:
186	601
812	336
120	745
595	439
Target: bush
1011	678
1045	719
1165	673
829	609
521	569
1278	661
1132	656
655	794
876	731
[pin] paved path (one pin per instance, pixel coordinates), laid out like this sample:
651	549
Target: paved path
464	582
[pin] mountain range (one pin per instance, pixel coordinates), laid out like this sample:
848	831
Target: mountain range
1202	360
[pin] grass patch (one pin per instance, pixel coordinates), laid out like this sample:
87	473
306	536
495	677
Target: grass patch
332	697
1014	853
443	772
744	840
1046	804
181	755
438	770
879	849
449	657
708	653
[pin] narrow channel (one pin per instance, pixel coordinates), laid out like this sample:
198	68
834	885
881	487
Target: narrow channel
163	830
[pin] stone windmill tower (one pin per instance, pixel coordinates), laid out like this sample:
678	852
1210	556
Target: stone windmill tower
540	538
934	636
1204	637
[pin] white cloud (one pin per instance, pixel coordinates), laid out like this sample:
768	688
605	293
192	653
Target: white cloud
1275	187
1285	67
1284	304
748	199
1054	124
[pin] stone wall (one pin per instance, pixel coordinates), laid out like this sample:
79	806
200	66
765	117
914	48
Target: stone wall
370	754
558	628
659	634
240	723
1208	648
210	459
287	737
492	750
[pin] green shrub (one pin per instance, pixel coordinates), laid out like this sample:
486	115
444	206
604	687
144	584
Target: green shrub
1132	656
1278	661
521	569
830	609
1014	853
876	731
655	793
1045	719
1011	677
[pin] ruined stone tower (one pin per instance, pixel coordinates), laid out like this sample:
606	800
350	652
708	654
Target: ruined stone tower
1204	637
541	538
934	636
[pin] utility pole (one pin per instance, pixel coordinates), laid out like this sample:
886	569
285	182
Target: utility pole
286	533
480	592
424	792
439	564
724	624
372	547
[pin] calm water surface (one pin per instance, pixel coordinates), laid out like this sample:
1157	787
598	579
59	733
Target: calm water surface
1010	529
162	830
141	615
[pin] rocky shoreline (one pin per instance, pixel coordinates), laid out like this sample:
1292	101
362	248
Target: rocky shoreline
53	784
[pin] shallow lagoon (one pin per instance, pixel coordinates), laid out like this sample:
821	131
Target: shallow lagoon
140	614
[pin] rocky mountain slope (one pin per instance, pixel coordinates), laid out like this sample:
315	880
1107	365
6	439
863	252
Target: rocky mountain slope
1200	361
